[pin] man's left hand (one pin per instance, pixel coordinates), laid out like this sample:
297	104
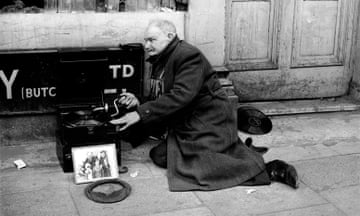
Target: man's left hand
129	100
126	121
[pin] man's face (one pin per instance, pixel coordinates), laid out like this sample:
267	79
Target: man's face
156	40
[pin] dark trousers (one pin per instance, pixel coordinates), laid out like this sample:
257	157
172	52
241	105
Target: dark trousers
137	134
158	155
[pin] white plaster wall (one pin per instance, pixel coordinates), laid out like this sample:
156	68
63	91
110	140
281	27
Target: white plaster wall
205	28
52	30
356	58
355	85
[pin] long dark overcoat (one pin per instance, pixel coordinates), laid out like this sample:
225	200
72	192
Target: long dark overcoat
204	151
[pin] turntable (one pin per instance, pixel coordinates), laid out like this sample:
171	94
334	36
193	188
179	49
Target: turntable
87	94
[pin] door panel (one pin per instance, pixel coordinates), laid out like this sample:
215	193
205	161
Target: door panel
252	35
289	49
318	33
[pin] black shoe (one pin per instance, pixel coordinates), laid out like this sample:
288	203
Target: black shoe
260	149
280	171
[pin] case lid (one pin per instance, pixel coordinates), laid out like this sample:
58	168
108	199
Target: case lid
85	74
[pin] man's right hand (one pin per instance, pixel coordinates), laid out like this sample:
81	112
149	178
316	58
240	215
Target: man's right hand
126	121
128	100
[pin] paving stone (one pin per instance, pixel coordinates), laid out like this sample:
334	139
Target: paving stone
347	199
330	184
203	211
136	171
349	145
45	202
148	196
39	154
321	210
276	197
329	173
294	153
138	154
309	129
307	106
30	179
155	170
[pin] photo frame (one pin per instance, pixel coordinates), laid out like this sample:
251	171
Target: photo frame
93	163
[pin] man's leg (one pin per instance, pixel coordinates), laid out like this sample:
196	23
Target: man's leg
135	135
276	170
260	149
158	154
260	179
138	133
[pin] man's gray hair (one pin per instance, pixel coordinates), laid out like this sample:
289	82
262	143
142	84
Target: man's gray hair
165	25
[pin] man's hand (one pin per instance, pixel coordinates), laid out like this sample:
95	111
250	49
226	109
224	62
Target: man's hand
129	100
127	120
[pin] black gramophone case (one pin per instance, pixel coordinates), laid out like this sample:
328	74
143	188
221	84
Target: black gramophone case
88	81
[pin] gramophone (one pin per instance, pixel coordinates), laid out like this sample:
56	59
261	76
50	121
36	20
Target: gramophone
89	84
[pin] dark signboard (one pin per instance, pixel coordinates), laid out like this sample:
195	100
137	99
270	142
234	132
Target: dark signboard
27	80
38	80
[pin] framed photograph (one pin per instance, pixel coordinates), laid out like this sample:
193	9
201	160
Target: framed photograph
93	163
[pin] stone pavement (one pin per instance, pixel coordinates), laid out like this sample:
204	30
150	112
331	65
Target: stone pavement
324	147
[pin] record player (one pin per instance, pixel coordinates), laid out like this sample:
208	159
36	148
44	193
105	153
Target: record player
89	82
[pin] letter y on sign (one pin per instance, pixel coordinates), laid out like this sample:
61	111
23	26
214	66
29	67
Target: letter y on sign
8	83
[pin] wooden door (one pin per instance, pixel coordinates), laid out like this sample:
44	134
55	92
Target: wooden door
289	49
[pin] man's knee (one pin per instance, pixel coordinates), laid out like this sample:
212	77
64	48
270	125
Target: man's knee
158	155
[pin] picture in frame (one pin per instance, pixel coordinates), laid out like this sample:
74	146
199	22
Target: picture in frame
93	163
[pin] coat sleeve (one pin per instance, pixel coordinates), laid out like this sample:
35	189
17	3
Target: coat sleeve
189	78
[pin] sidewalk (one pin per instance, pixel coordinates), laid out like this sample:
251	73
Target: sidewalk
324	147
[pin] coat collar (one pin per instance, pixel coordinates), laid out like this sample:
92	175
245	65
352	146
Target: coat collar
165	53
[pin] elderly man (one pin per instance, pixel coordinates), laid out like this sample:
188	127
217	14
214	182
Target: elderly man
202	150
